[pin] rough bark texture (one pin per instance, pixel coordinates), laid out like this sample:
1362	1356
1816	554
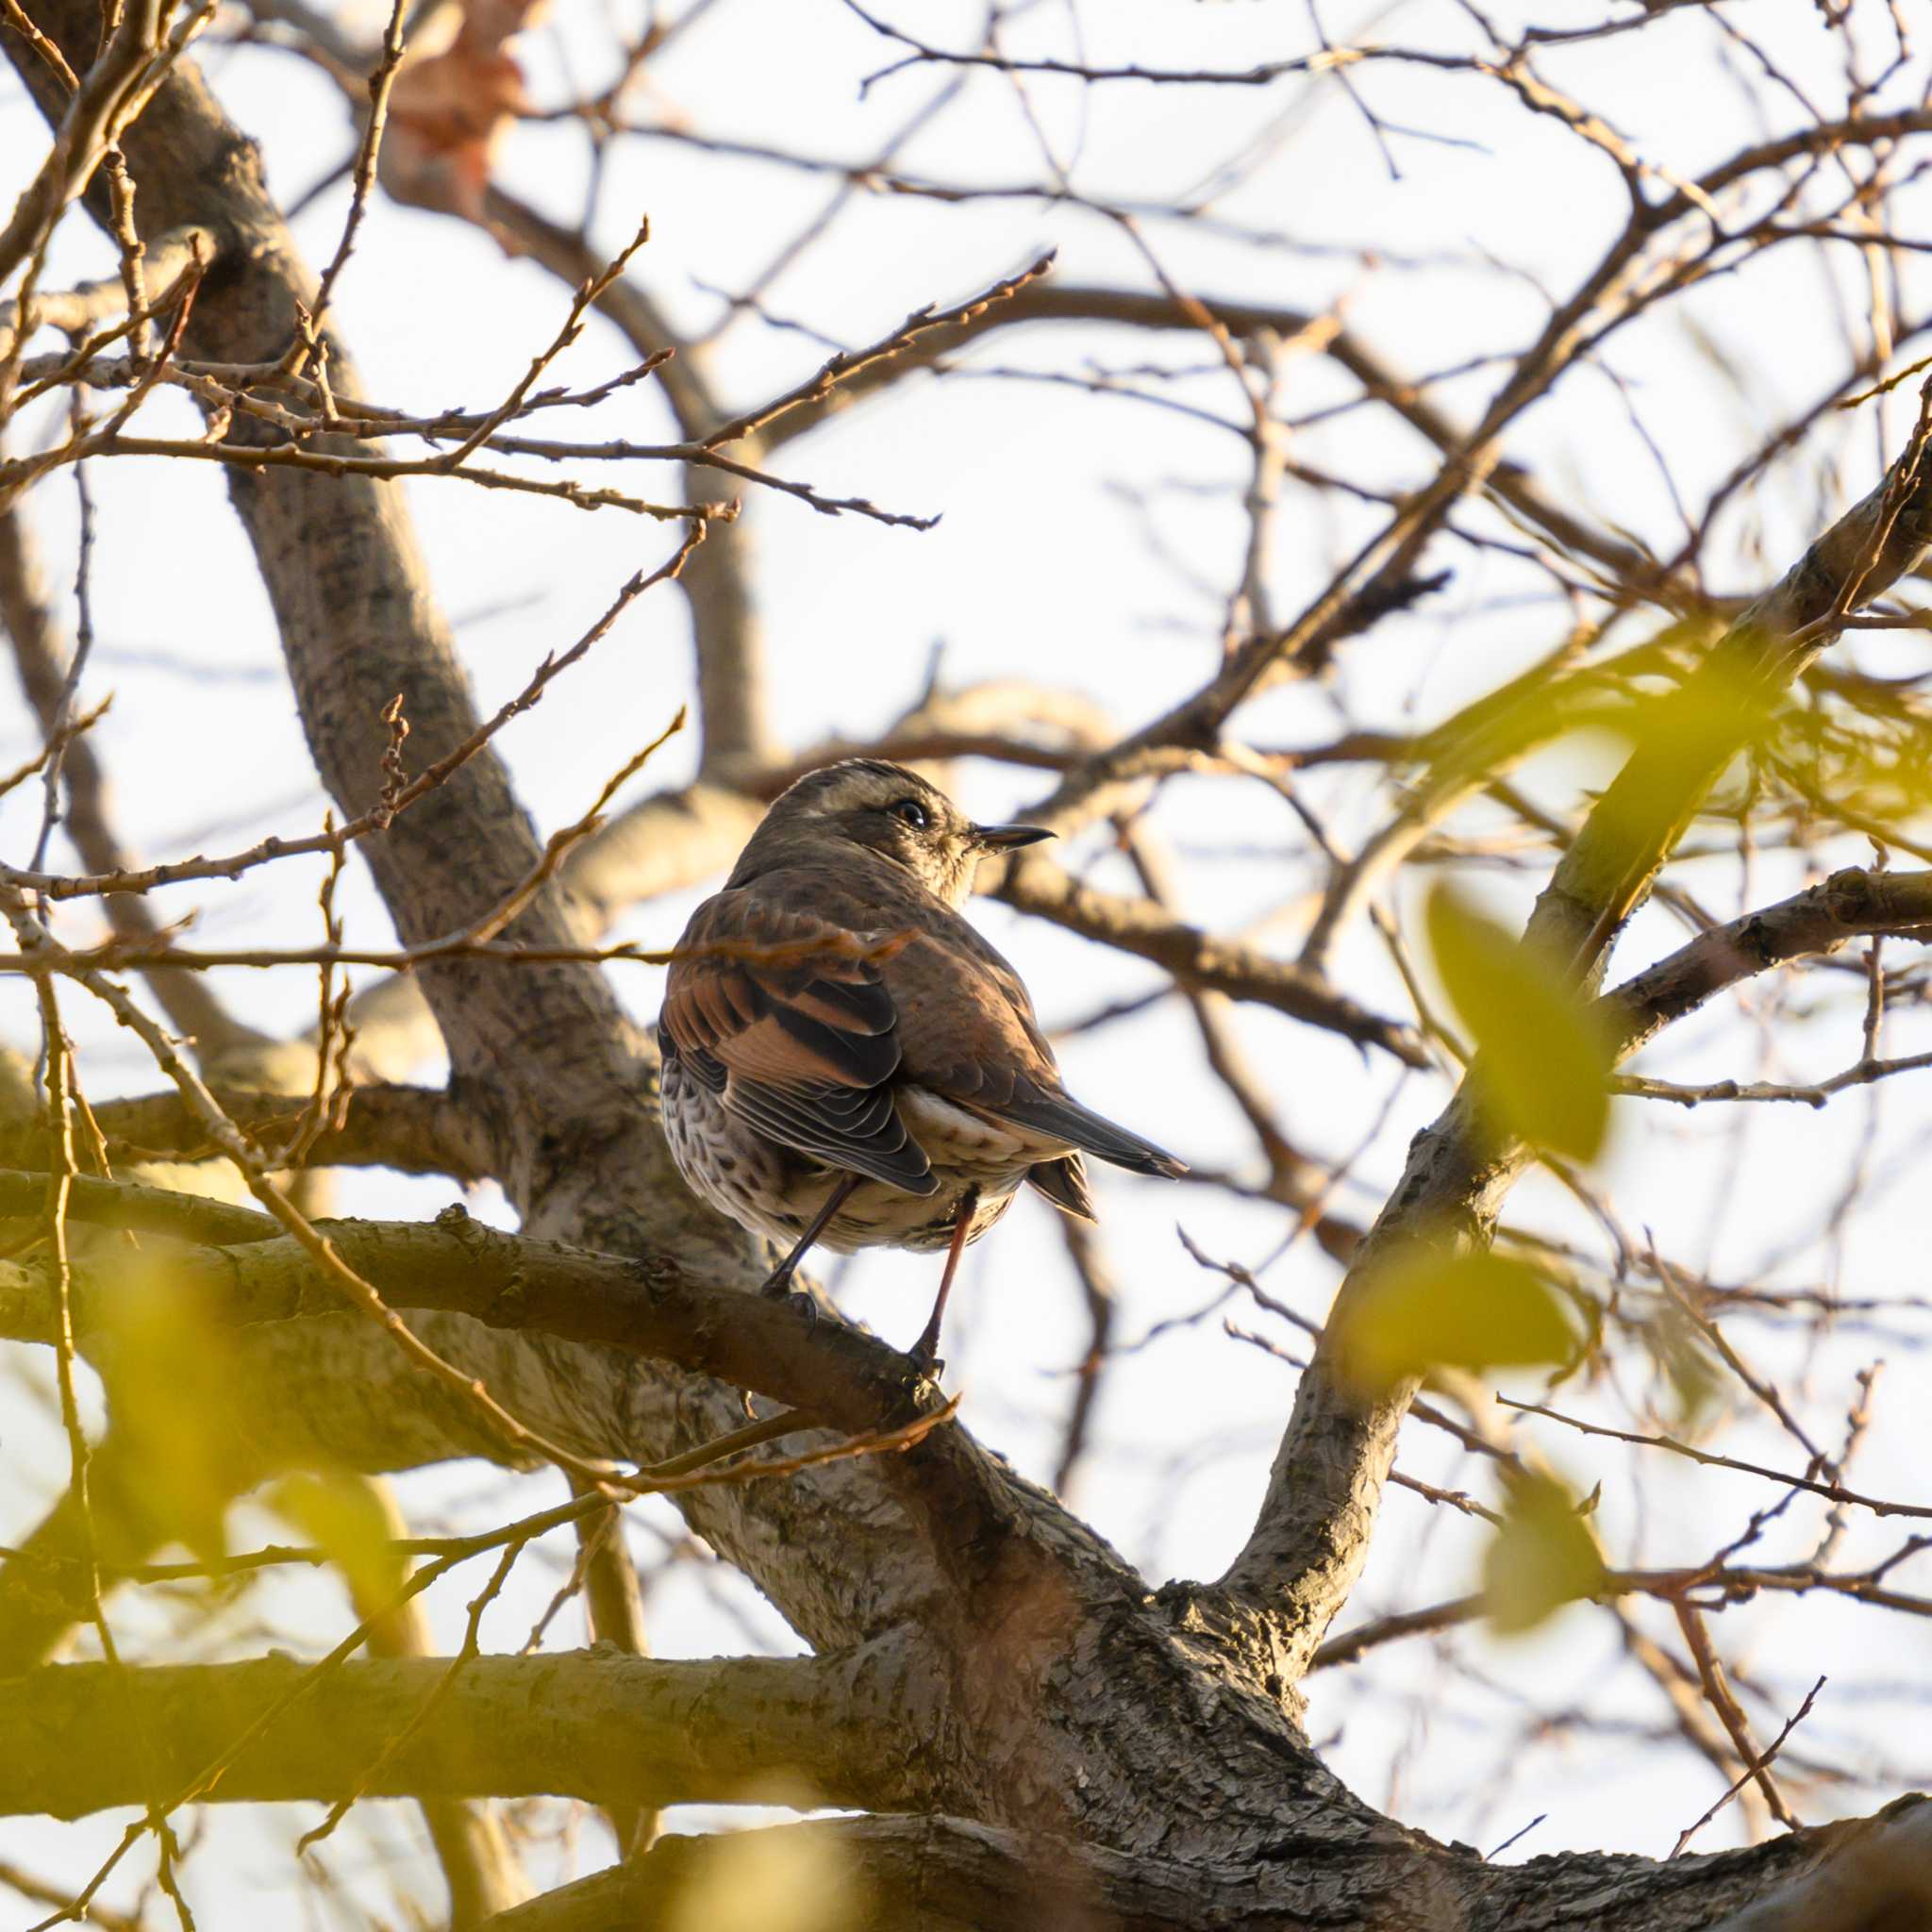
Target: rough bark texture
969	1876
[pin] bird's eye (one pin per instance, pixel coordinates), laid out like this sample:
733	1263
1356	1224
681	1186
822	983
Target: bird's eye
912	812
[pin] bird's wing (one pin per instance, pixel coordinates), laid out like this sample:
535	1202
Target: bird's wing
779	1013
967	1031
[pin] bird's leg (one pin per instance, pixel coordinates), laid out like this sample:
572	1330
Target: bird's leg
777	1284
925	1351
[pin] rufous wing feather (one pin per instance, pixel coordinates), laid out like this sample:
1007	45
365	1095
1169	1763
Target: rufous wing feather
785	1016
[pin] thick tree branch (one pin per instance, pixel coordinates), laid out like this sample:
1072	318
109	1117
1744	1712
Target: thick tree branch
413	1129
606	1728
648	1305
146	1209
1847	906
950	1874
967	1503
953	1875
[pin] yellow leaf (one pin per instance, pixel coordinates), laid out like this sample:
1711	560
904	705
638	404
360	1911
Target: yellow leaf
1543	1556
167	1368
791	1878
1687	739
1553	700
1545	1059
1476	1310
344	1515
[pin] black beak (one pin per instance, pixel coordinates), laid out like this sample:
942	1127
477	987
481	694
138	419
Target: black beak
1008	838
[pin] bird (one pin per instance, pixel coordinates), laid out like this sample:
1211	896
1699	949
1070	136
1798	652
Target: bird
847	1061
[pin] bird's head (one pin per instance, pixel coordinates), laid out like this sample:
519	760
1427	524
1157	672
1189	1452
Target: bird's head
890	812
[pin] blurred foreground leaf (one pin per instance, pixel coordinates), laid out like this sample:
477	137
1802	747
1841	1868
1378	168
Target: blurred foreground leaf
344	1515
792	1879
1478	1310
168	1369
1545	1059
1544	1555
1681	1354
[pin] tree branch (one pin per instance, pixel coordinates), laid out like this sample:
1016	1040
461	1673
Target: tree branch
77	310
951	1874
734	704
985	1527
38	1610
587	1725
1198	959
412	1129
146	1209
1849	904
1158	310
1612	864
671	840
614	1614
480	1865
1312	1533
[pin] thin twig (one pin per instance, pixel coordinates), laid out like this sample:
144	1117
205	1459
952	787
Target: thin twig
1752	1768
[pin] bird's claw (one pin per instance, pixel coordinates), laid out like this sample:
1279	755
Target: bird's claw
778	1288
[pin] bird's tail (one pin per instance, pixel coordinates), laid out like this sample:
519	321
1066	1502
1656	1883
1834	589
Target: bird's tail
1079	1126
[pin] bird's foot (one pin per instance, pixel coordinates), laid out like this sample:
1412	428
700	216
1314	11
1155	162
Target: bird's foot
924	1356
777	1287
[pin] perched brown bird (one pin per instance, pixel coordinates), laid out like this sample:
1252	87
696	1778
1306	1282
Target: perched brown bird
846	1060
